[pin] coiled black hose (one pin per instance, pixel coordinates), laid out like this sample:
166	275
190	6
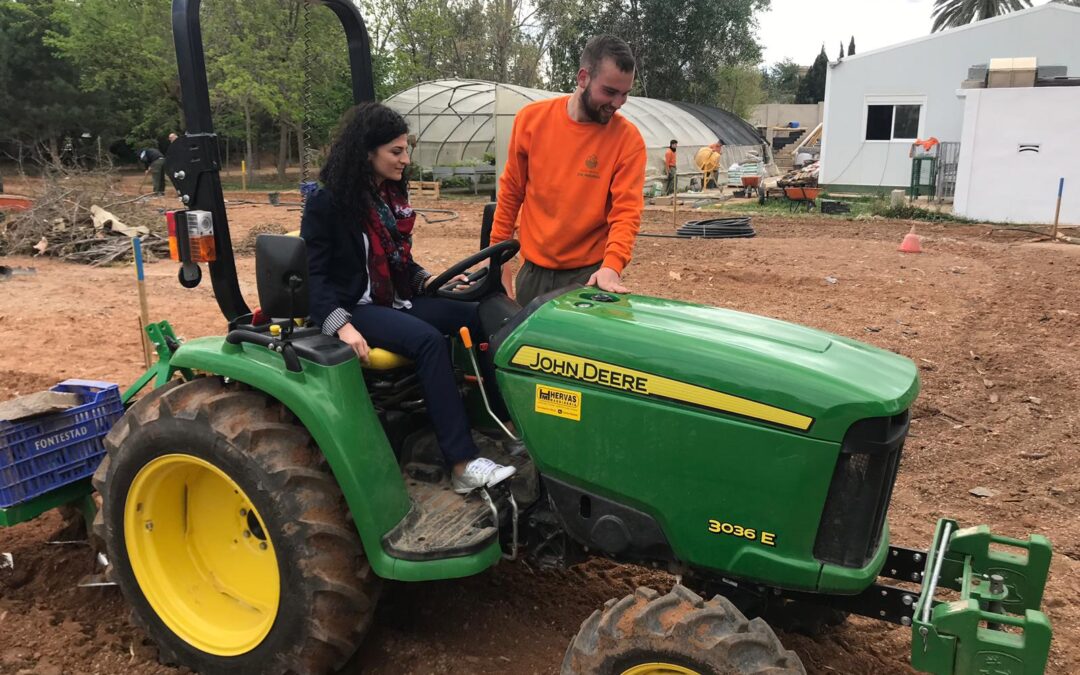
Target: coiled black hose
712	228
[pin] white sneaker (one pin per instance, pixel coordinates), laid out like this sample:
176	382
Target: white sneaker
481	472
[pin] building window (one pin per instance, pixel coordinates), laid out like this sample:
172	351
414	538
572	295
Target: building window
892	122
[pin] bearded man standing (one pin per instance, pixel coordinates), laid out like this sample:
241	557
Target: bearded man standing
574	179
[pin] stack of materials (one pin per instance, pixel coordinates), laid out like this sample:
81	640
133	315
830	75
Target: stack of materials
805	177
752	166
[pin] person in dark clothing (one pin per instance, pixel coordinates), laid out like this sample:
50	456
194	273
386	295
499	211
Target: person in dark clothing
154	162
367	289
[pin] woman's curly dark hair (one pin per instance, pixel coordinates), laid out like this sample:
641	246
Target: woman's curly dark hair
347	172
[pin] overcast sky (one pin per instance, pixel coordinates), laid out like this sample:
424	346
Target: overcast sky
796	28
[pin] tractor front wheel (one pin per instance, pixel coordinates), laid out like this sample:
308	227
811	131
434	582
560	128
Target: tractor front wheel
228	535
676	634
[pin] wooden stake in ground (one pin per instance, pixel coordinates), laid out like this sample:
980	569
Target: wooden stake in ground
144	311
1057	213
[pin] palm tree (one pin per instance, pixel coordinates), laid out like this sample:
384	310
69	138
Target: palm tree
953	13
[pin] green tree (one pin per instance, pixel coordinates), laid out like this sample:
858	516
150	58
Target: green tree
851	47
679	45
954	13
124	50
739	89
812	85
42	100
471	39
781	82
255	65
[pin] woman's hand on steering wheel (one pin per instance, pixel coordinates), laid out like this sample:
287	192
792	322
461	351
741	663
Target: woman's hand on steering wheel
480	282
459	279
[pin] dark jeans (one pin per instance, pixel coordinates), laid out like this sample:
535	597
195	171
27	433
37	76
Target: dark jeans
419	334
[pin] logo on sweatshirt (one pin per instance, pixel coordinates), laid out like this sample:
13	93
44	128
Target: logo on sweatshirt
591	162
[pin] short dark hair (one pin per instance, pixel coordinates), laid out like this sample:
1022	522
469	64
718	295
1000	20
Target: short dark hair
674	141
602	47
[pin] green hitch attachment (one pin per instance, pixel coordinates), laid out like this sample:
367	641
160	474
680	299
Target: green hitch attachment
165	343
995	625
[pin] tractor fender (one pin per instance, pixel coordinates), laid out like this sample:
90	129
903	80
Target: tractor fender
333	403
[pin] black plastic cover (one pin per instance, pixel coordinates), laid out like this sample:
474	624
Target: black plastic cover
281	273
606	525
860	491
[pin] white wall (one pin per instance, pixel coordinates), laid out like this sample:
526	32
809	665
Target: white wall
930	69
808	115
995	181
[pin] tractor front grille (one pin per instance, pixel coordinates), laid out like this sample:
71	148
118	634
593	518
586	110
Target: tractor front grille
861	488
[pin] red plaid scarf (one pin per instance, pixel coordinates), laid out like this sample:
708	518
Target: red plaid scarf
389	229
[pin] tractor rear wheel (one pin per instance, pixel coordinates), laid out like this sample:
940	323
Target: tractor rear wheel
228	535
676	634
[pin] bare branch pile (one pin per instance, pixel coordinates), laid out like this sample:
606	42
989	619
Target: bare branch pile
60	223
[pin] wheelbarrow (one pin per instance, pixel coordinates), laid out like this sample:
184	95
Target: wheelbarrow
799	197
15	203
752	186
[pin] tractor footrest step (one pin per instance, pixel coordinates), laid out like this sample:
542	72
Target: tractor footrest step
440	524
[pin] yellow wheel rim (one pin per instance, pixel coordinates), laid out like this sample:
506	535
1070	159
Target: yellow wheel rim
201	555
659	669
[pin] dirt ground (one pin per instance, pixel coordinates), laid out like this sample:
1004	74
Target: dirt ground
991	319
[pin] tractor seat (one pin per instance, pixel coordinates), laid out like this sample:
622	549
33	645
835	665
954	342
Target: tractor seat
281	273
381	359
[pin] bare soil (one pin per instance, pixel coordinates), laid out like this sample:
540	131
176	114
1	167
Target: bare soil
991	319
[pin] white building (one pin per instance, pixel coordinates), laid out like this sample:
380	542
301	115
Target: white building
878	102
1018	145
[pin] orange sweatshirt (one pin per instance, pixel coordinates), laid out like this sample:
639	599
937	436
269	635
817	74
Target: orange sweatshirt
573	190
670	161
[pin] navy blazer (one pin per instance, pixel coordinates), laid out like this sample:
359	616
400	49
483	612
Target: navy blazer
337	262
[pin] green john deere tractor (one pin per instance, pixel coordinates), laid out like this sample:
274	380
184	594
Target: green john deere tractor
253	501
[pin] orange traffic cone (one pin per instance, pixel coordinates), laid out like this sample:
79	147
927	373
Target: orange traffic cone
911	243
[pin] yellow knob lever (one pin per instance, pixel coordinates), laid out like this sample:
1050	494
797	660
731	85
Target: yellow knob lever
466	337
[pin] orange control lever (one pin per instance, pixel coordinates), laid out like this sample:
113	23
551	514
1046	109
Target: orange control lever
466	337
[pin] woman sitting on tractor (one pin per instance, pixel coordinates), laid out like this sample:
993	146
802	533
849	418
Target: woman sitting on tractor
368	291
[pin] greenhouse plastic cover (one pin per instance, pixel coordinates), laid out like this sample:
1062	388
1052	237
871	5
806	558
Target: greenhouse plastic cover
460	121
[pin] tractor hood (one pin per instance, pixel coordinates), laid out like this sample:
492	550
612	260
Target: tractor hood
763	370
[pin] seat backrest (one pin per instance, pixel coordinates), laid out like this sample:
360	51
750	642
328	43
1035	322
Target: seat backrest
281	274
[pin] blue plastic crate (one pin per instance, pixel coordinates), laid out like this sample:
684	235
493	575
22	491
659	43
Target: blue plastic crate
42	453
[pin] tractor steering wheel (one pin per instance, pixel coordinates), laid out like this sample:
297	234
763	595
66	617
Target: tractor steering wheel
483	282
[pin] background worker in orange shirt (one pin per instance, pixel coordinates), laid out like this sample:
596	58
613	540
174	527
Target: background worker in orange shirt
574	179
670	163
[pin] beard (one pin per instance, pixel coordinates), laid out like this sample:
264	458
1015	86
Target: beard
597	113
